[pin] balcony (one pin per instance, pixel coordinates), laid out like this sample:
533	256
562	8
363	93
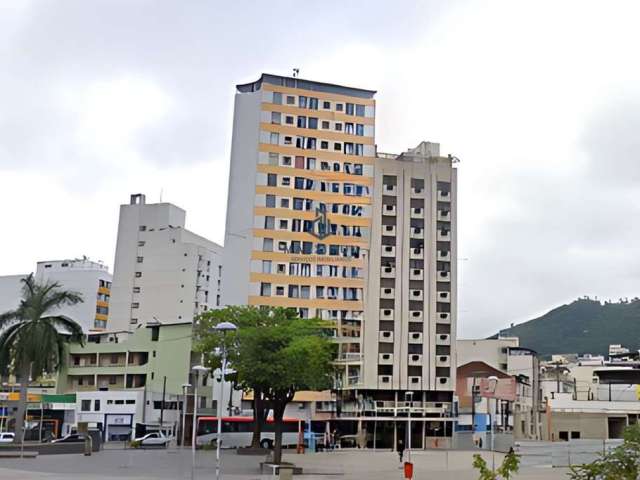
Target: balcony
385	358
444	215
389	189
416	274
443	236
388	272
444	297
416	191
384	380
416	316
415	294
443	383
385	336
444	255
387	293
415	337
443	276
443	361
415	382
417	212
415	359
389	230
443	317
386	314
388	251
443	339
389	210
416	254
417	232
349	357
444	196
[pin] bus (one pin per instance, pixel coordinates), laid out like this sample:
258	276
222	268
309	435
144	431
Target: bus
238	431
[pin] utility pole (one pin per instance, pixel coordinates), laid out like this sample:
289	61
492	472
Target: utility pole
164	391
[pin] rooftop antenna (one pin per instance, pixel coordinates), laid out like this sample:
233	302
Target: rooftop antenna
296	72
161	195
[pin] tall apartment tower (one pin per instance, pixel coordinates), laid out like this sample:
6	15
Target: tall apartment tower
410	326
299	208
163	273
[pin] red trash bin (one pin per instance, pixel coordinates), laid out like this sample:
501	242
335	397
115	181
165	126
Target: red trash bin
408	470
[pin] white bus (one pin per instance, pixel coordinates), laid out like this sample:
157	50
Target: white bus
238	432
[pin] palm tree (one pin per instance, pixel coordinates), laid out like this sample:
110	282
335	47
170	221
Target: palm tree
34	335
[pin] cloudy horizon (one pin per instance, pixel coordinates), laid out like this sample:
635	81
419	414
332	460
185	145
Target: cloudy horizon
539	100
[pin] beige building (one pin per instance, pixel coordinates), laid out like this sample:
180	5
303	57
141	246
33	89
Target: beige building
319	221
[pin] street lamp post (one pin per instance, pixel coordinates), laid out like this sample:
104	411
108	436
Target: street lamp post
185	389
494	380
409	396
198	369
224	328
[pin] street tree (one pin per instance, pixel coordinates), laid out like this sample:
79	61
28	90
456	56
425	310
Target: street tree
33	337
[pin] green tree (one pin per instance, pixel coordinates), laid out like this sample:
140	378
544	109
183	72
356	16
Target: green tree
33	337
620	463
510	466
276	354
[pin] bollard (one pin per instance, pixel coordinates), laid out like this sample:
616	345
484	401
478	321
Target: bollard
408	470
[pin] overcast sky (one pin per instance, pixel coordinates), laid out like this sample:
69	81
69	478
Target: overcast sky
540	101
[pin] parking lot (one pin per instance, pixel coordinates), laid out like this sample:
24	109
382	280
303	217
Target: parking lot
177	464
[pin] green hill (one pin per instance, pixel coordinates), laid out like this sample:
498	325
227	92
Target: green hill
584	326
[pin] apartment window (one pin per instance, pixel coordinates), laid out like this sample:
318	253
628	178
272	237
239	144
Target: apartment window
266	266
337	146
311	163
349	109
313	103
284	225
85	405
325	125
302	122
141	243
113	380
286	161
279	291
272	179
130	402
270	201
348	128
269	223
265	289
277	98
293	291
359	129
274	138
302	101
339	107
284	203
359	149
96	405
142	228
313	123
135	305
324	145
138	274
288	120
360	110
139	259
348	148
357	169
133	321
276	118
286	181
326	105
267	244
291	100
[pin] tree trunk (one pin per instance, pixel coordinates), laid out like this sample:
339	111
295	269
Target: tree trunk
23	378
278	415
258	415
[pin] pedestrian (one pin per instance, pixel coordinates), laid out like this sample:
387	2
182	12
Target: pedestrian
400	449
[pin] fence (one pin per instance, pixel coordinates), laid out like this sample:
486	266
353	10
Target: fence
563	454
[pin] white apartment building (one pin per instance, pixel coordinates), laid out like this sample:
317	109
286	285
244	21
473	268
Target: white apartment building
91	279
162	272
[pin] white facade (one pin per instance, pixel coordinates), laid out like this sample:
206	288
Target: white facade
91	279
493	352
162	272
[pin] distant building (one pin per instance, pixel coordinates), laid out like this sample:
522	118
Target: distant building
91	279
162	272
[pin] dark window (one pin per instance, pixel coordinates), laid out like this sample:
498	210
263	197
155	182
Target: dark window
85	405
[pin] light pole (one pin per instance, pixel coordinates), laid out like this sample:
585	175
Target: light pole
409	396
224	328
198	369
493	380
185	389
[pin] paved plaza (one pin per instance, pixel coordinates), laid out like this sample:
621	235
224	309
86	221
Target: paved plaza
175	464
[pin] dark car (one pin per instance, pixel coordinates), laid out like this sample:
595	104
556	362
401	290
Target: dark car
71	438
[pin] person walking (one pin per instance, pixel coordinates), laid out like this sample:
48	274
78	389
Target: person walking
400	449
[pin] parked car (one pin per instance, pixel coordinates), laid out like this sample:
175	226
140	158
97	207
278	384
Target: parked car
71	438
7	437
155	439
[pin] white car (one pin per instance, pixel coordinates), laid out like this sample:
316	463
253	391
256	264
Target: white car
7	437
156	439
